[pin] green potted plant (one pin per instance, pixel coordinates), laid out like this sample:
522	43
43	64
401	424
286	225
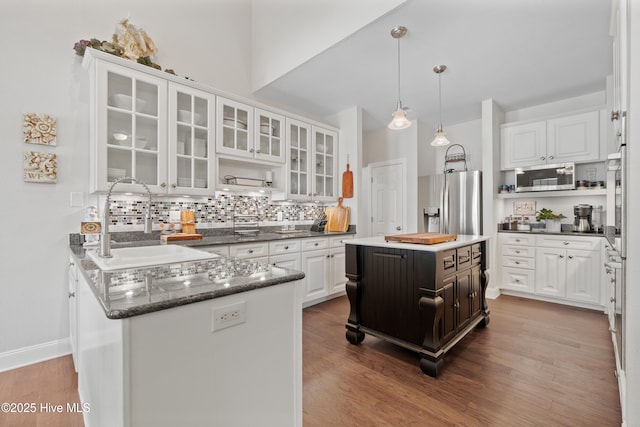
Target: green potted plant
551	219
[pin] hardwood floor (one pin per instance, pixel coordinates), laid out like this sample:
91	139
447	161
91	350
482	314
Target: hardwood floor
536	364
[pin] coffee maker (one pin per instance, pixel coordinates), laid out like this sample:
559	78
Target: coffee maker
582	222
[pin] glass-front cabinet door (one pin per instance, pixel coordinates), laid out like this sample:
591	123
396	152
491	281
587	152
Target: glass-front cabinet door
130	129
234	128
191	136
269	136
325	163
298	160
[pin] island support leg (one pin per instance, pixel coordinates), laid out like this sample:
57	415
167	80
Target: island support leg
484	282
354	334
431	309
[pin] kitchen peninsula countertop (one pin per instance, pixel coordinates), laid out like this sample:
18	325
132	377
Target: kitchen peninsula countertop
135	291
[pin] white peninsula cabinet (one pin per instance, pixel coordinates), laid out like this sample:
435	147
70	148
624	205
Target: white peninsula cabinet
566	269
323	263
572	138
148	128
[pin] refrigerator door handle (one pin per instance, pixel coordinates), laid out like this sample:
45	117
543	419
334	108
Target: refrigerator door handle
623	196
444	226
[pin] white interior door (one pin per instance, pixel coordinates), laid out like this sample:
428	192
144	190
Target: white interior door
387	199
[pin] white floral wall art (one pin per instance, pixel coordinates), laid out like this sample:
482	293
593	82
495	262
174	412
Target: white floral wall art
40	167
39	129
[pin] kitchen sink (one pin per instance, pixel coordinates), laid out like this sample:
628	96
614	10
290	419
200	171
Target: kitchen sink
144	256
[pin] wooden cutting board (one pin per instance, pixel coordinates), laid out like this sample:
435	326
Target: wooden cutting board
180	236
337	217
421	238
347	182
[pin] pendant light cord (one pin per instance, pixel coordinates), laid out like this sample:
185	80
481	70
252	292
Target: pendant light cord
440	97
399	100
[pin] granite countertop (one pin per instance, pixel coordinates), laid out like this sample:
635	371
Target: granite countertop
135	291
608	233
379	241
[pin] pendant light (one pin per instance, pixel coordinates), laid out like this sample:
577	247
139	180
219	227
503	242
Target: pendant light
399	120
440	137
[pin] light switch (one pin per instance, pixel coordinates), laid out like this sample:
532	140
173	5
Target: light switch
76	199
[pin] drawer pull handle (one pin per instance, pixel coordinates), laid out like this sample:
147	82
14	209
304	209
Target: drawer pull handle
561	256
612	299
570	256
316	244
518	262
565	243
387	255
250	251
286	247
517	252
463	258
71	264
73	294
516	280
518	240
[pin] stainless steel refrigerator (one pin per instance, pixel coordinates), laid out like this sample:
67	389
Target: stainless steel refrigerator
450	203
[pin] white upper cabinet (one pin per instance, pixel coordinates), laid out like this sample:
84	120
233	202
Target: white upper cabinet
573	138
191	139
325	164
269	138
312	159
234	128
128	128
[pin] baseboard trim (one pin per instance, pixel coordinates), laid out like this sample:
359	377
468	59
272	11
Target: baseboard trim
492	293
36	353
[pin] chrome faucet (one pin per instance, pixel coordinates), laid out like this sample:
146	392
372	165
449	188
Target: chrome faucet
105	240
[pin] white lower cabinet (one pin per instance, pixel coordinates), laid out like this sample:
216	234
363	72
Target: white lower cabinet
73	311
567	269
322	259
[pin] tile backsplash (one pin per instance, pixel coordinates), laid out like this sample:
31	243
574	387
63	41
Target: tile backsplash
212	212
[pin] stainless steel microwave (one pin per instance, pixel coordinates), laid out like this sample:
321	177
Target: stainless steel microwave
560	176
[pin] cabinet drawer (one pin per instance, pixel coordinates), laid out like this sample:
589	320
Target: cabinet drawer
518	279
518	262
222	250
249	250
476	254
464	257
449	261
338	241
518	251
517	239
315	243
569	242
284	247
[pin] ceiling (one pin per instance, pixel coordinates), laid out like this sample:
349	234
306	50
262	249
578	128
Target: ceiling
520	53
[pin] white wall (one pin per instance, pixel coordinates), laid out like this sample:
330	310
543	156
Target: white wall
306	28
468	134
350	143
41	73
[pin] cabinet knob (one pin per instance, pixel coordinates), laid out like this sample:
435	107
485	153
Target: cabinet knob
518	240
516	280
565	243
517	252
315	244
72	294
570	256
71	264
328	256
518	262
542	158
612	299
286	247
398	228
615	115
250	251
163	185
174	185
561	256
251	150
550	157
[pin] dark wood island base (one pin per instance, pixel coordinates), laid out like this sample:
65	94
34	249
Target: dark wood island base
424	298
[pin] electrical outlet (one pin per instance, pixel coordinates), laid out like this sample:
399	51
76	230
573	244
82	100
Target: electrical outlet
229	315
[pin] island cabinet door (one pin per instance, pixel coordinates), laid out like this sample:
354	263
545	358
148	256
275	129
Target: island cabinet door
463	299
476	291
450	313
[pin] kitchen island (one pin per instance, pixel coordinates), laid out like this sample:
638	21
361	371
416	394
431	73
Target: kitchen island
422	297
216	341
